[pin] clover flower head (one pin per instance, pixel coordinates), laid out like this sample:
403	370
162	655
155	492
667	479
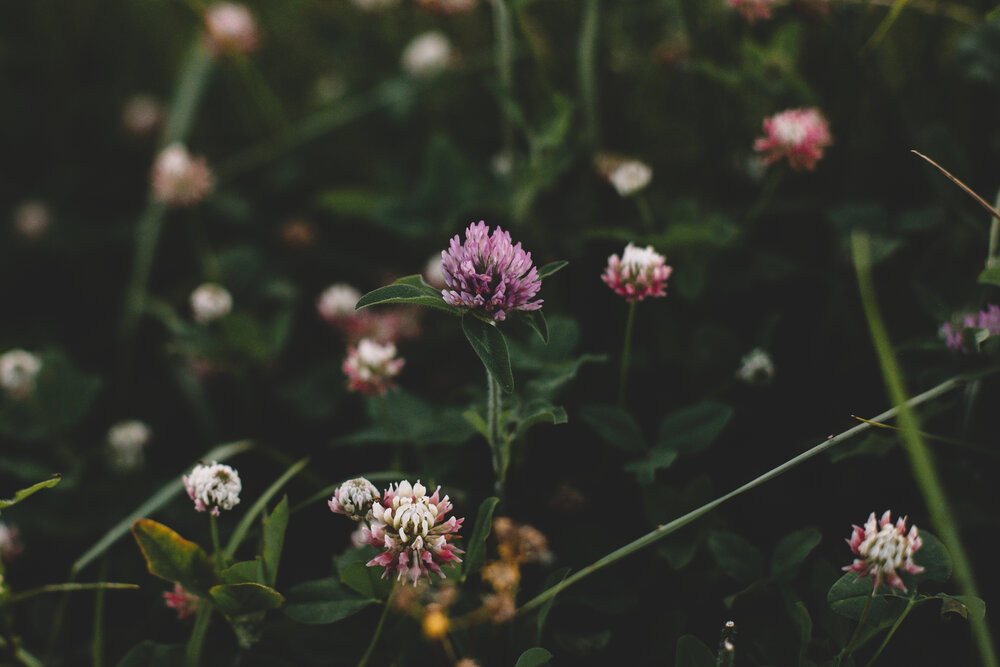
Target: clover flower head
141	115
411	528
213	487
884	548
428	54
797	134
210	302
180	179
10	542
32	219
183	602
986	322
126	440
371	366
752	10
231	28
489	274
639	273
354	498
756	367
336	303
630	177
18	371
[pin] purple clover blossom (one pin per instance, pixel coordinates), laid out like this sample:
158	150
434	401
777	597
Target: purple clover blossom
489	274
987	320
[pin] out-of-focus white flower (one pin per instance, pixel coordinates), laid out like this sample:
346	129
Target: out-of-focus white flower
141	115
32	219
434	272
375	5
231	28
337	302
126	440
447	7
427	54
502	163
756	367
639	273
213	487
210	302
18	370
180	179
630	177
370	367
10	542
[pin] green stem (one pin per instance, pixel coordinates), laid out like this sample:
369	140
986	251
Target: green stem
666	529
197	640
994	247
921	460
97	645
220	562
895	626
846	653
586	58
494	408
503	34
378	628
626	353
645	212
68	588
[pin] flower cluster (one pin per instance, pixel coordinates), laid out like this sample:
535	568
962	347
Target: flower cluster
180	179
408	524
18	370
370	367
183	602
627	175
639	273
210	302
985	321
354	499
883	548
756	367
489	273
797	134
213	487
516	544
231	28
753	9
126	441
428	54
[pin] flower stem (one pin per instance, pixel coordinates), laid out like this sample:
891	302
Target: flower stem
626	353
895	626
645	212
378	628
921	460
846	653
666	529
193	652
994	247
586	58
503	34
213	522
494	409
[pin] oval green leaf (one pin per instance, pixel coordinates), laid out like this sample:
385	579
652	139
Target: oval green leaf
491	348
171	557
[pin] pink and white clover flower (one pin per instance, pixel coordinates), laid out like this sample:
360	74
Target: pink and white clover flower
639	273
800	135
883	548
354	498
180	179
489	274
411	527
183	602
231	28
213	487
371	366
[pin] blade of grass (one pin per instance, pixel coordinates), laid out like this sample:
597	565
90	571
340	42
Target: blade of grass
939	438
244	525
921	461
70	587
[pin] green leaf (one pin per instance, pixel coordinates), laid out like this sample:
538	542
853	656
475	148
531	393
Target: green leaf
24	493
403	293
691	652
792	551
990	276
171	557
417	280
694	429
847	597
322	601
551	268
477	422
737	557
239	599
967	606
273	538
243	572
491	347
367	581
645	469
150	654
533	657
548	414
615	426
475	554
803	623
536	320
933	557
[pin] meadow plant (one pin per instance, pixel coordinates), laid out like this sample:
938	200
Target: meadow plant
798	135
180	179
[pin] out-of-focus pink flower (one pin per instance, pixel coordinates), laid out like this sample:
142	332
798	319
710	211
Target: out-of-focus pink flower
987	321
448	7
411	527
183	602
180	179
883	548
32	219
231	28
797	134
141	115
213	487
489	274
10	542
639	273
354	498
752	9
370	367
386	325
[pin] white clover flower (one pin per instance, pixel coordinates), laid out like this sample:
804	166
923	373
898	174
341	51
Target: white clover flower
18	371
884	548
354	498
434	272
371	366
126	441
630	176
337	302
427	54
10	542
180	179
756	367
231	28
213	487
32	219
210	302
